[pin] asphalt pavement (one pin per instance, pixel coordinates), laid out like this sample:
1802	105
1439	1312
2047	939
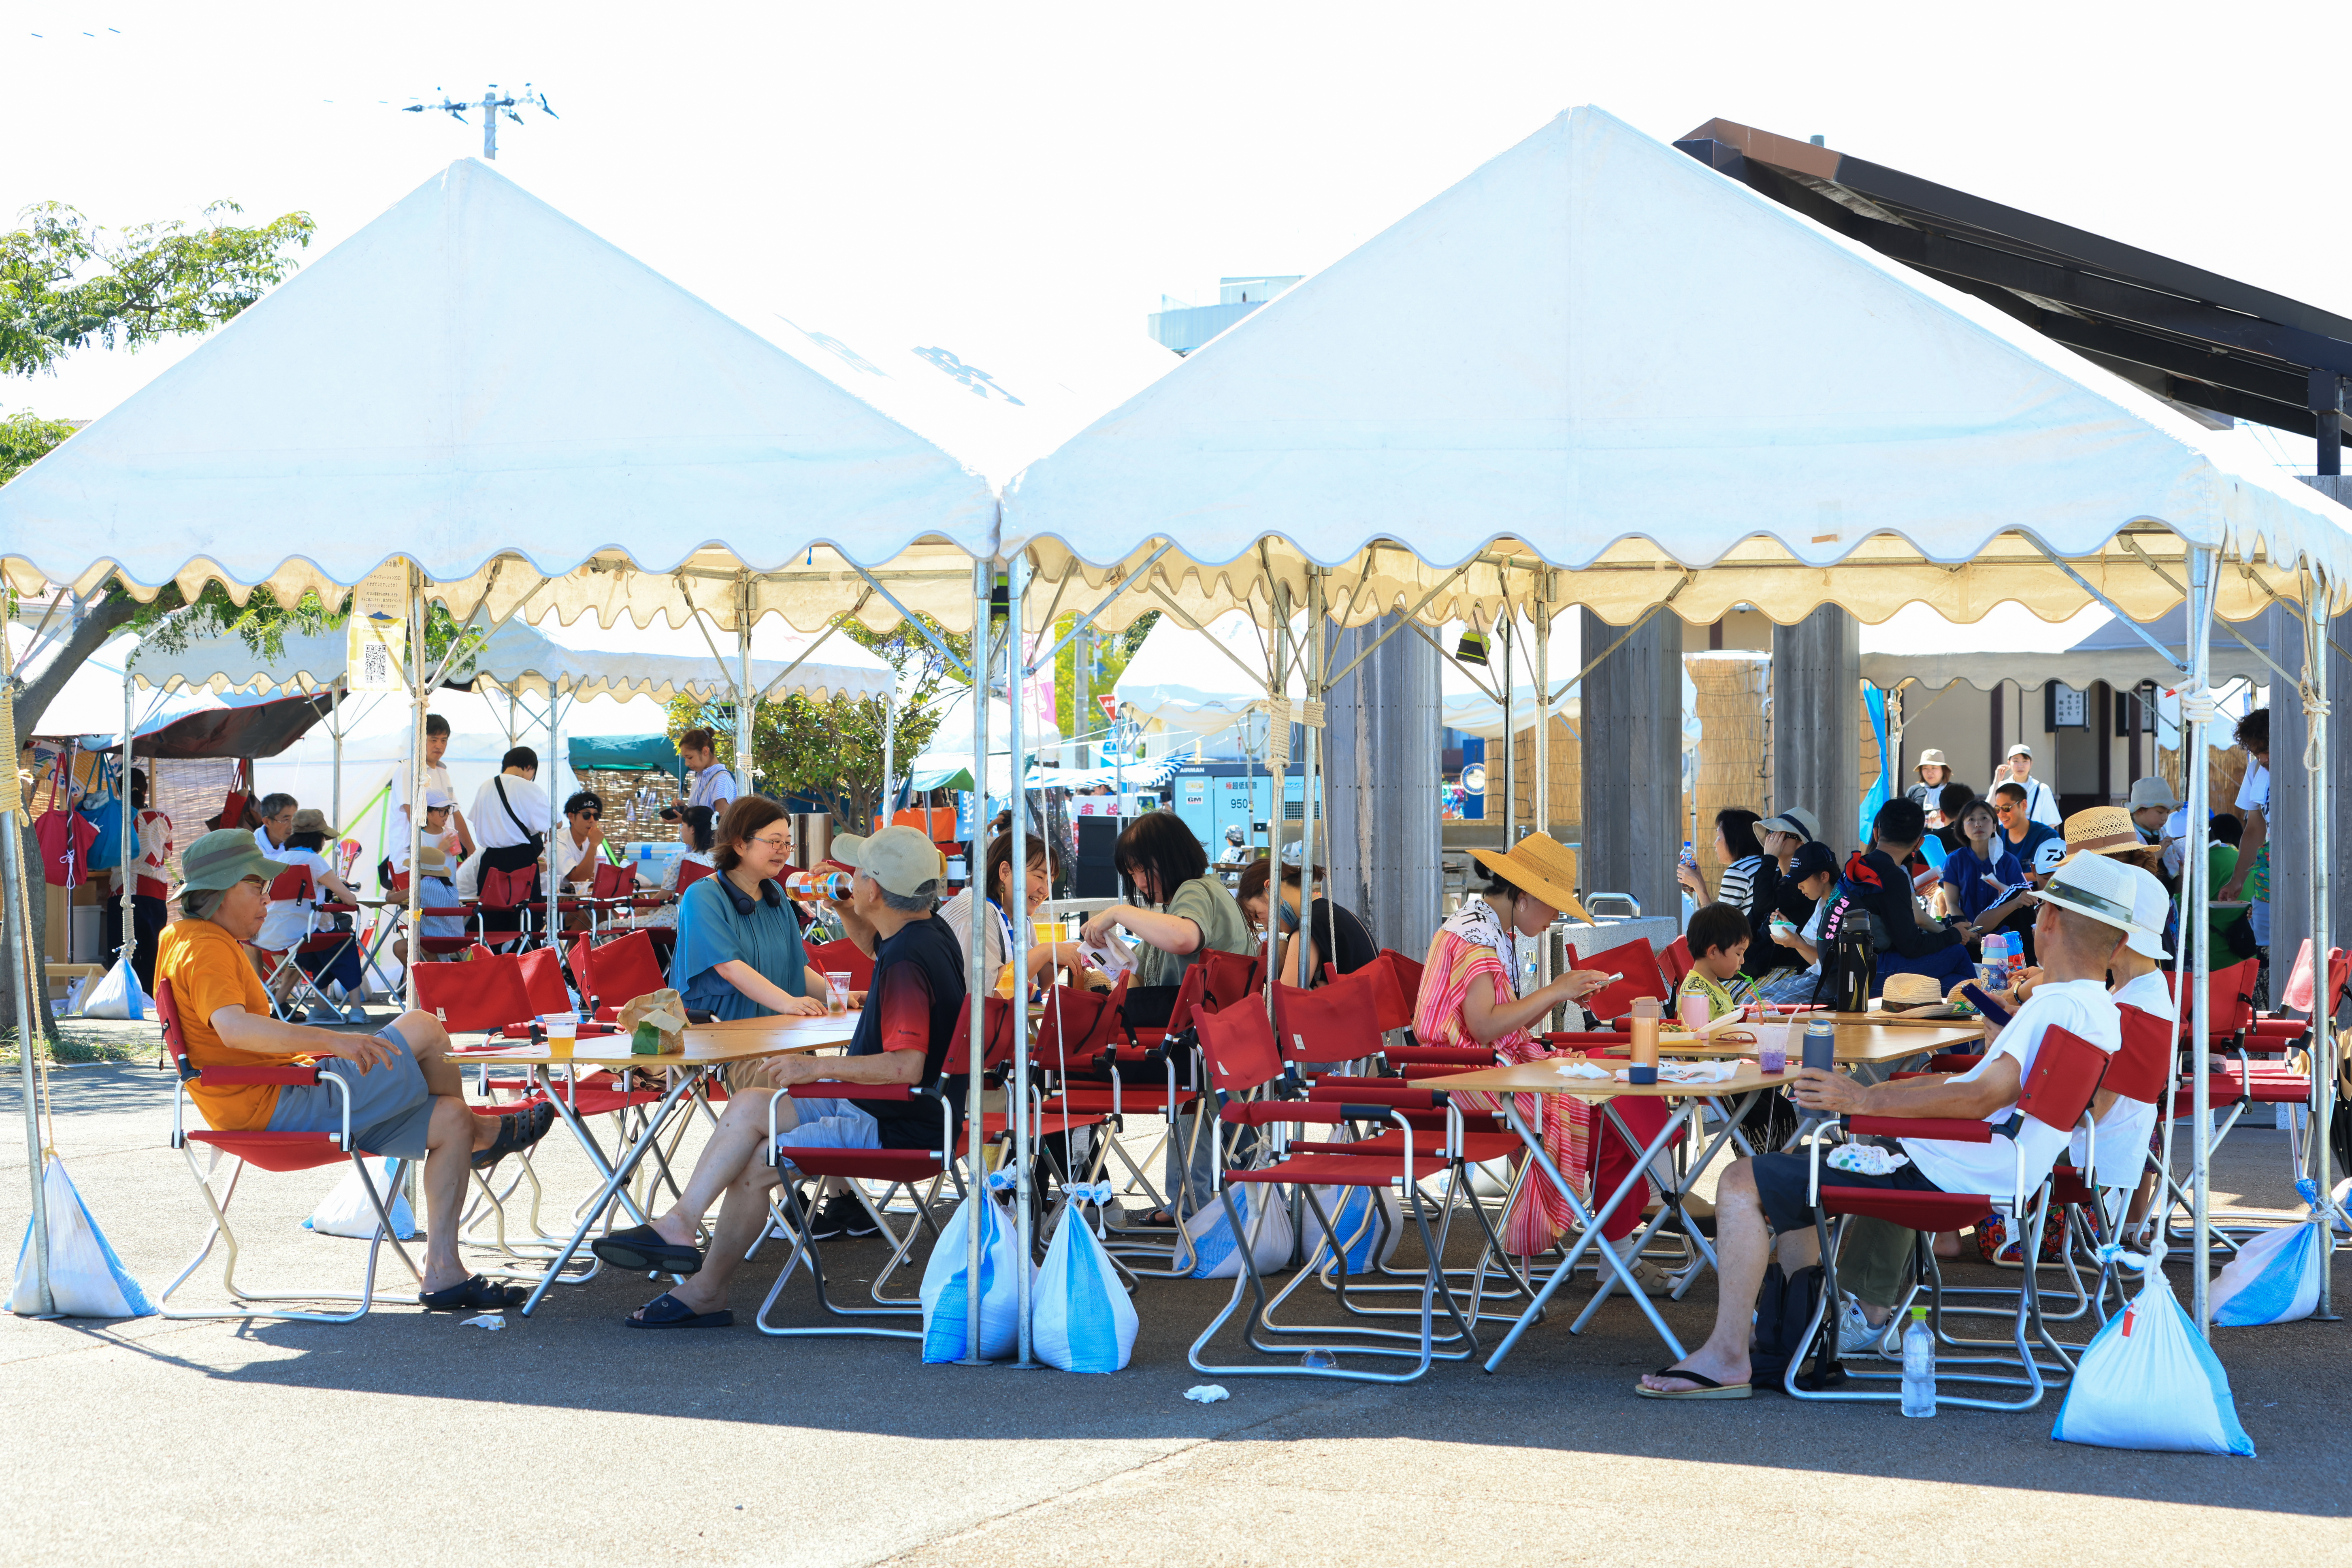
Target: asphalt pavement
567	1437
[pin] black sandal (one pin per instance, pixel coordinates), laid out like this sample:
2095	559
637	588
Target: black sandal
642	1250
477	1294
518	1129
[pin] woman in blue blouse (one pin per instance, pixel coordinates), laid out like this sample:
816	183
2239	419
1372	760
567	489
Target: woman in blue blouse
1978	871
739	948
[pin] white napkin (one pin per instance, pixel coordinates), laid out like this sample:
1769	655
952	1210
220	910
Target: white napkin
1688	1072
1581	1069
1206	1393
489	1321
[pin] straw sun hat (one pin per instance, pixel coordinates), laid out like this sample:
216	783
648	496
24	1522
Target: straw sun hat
1540	865
2102	830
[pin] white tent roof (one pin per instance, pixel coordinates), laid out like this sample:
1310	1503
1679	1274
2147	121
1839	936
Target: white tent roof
474	374
1598	351
2014	644
655	661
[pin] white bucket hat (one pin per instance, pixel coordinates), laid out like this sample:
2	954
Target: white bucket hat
2151	905
2098	885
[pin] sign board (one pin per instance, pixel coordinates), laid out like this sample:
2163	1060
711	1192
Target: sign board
375	637
1110	705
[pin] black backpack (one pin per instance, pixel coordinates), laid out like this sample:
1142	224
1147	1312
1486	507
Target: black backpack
1783	1306
1849	958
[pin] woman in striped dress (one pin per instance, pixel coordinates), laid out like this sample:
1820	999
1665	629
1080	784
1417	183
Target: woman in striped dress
1470	998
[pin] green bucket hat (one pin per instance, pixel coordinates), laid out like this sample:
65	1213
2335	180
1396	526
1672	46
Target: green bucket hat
221	859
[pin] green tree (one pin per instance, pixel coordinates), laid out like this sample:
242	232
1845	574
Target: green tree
831	751
1111	656
26	438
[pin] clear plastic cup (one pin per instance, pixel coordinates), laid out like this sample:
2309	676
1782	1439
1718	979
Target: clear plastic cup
836	992
561	1030
1693	1011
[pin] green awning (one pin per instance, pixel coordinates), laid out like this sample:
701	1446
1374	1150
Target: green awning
634	754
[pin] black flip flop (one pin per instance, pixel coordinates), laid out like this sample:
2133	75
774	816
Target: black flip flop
666	1311
641	1249
1707	1387
517	1130
476	1295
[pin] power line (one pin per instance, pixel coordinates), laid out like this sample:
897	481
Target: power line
492	104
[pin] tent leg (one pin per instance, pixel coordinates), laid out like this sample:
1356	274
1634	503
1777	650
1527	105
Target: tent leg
2196	771
1017	950
984	578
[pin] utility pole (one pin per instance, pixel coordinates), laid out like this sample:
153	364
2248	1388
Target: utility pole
493	103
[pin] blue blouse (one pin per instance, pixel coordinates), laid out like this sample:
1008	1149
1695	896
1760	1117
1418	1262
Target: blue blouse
715	924
1965	870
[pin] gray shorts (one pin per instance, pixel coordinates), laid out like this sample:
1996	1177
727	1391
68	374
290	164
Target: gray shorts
391	1107
829	1124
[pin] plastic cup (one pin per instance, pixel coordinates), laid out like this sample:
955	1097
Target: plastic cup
1772	1048
1693	1011
561	1030
836	992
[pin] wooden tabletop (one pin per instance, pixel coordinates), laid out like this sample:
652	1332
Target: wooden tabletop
706	1044
1856	1043
1544	1077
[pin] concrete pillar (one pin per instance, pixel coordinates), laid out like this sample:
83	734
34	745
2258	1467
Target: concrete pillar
1816	715
1633	790
1382	771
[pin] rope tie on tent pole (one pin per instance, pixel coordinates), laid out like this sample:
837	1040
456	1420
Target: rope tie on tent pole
2198	705
2314	707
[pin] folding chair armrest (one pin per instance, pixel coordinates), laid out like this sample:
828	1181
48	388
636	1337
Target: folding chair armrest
215	1077
828	1089
1951	1061
1951	1129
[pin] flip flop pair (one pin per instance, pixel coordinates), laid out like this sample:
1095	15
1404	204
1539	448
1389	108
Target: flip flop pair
476	1295
642	1250
1707	1387
518	1129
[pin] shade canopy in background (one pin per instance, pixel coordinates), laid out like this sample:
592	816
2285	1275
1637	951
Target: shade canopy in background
2017	646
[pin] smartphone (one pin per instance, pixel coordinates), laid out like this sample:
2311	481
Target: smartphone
1984	1003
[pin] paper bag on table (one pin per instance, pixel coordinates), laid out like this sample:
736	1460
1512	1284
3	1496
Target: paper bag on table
655	1023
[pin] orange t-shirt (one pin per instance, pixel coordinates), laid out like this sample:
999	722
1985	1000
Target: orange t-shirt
208	969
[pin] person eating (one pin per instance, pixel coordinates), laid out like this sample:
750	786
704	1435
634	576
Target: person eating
407	1099
1339	938
739	952
996	926
1796	922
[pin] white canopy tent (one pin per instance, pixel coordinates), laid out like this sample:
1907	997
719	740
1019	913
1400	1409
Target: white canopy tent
2013	644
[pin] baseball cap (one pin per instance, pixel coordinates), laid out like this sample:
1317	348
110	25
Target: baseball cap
2096	886
222	859
2151	905
2049	856
2152	791
1795	819
2019	749
901	860
1813	858
436	799
1930	758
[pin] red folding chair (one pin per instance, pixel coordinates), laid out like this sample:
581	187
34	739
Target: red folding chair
689	872
1228	976
1675	961
269	1151
503	893
294	884
611	890
1643	977
2139	1072
845	957
1239	1046
617	973
906	1169
2057	1093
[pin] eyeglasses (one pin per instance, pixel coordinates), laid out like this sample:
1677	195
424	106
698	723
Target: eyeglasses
773	841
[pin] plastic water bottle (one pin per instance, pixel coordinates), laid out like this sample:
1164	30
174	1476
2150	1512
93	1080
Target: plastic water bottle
1918	1366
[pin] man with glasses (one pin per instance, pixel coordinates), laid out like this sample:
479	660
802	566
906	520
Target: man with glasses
582	845
2038	848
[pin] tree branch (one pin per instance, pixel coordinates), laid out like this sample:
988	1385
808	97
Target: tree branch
105	618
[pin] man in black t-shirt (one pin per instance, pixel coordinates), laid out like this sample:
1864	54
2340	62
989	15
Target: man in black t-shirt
905	1032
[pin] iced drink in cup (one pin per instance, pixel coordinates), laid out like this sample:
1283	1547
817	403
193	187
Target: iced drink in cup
1693	1011
1772	1048
836	992
561	1030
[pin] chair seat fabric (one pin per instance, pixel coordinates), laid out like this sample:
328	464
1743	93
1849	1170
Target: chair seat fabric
1915	1210
1340	1170
276	1151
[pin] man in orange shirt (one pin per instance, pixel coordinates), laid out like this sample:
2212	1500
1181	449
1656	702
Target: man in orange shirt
406	1097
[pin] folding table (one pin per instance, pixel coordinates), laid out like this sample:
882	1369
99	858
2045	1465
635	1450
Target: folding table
709	1048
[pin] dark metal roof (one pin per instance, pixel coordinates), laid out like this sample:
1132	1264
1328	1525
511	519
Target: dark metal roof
2185	333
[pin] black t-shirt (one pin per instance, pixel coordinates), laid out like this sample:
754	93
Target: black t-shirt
1764	955
919	968
1328	921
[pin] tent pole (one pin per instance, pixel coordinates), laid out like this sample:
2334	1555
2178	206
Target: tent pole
416	694
1016	955
1541	608
1506	624
554	814
1277	716
21	957
2196	770
127	868
2319	797
890	752
984	578
335	793
1312	788
744	701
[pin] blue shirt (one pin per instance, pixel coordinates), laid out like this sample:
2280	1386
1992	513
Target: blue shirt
2036	836
715	924
1965	871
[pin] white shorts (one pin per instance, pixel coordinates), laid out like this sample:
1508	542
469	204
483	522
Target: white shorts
829	1124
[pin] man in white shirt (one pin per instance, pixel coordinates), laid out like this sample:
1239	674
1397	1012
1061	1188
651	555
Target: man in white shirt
2253	804
277	813
455	840
713	785
2086	911
2040	800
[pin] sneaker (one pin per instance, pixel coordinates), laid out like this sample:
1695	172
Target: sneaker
842	1214
355	1014
318	1013
1857	1335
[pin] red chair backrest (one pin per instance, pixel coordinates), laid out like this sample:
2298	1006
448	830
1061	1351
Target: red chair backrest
2143	1066
167	1012
828	956
1076	1023
2228	999
619	971
1387	988
1230	975
689	872
507	889
1191	999
1675	960
1408	977
1335	1023
1638	962
294	882
1239	1045
485	995
2065	1074
543	981
613	882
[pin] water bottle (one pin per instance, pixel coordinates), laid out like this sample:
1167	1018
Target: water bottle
1918	1366
817	885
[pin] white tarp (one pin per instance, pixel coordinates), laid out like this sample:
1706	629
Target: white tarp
1622	362
585	660
470	374
2015	645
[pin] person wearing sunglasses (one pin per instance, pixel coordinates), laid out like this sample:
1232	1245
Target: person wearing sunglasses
582	845
739	952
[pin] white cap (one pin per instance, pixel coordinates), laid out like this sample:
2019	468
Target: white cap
2151	905
438	798
2099	886
2049	856
2018	750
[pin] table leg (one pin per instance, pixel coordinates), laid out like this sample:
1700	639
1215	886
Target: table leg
1673	1196
616	1176
1567	1266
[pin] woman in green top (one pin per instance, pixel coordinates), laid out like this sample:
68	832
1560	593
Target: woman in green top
1196	916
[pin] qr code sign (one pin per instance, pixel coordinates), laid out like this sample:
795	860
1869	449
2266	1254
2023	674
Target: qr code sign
375	664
